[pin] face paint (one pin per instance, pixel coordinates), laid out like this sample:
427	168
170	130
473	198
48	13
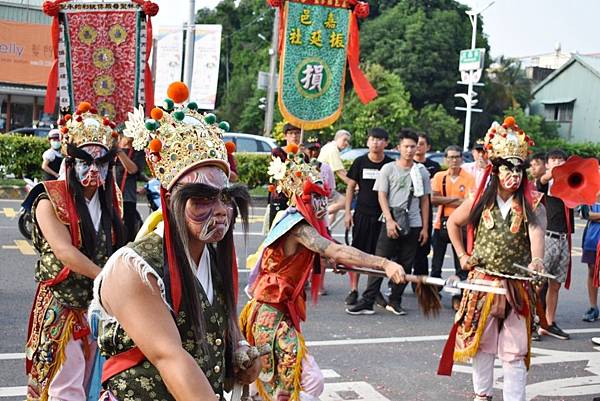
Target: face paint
92	174
510	177
319	204
209	217
209	175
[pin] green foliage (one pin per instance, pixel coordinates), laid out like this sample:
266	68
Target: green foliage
390	110
252	168
442	128
540	130
21	155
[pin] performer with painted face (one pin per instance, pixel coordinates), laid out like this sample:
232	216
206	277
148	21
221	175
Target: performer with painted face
508	223
77	226
168	300
290	257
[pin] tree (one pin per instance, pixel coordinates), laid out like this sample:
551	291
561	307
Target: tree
390	110
442	128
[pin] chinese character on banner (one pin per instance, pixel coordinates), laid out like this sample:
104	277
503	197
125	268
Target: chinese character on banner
101	57
316	45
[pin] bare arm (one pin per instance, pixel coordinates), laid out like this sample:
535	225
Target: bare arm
536	238
59	239
348	202
437	199
424	234
306	235
458	219
594	216
47	169
148	322
129	165
343	176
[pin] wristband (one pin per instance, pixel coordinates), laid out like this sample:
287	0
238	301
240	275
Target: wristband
538	260
461	255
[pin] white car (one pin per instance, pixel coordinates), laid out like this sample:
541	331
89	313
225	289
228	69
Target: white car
250	143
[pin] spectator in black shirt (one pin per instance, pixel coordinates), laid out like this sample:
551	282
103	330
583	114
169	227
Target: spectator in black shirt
421	264
365	222
128	165
557	251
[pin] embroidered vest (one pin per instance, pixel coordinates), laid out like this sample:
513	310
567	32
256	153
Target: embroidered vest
71	289
499	243
143	381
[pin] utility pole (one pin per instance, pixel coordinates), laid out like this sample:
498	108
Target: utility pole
189	44
472	75
273	53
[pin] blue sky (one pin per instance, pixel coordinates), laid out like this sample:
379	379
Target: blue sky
514	27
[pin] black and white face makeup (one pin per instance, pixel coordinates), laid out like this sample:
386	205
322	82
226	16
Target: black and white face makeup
510	175
91	165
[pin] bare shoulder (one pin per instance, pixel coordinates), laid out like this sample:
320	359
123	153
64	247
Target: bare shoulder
307	235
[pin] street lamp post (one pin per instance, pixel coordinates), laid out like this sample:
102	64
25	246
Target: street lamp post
189	44
272	73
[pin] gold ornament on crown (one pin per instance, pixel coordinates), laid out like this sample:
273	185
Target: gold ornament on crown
86	127
507	141
289	177
176	139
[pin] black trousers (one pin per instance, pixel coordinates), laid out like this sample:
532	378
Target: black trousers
130	220
440	243
401	250
365	232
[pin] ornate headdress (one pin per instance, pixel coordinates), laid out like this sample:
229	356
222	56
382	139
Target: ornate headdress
292	176
177	137
507	141
87	127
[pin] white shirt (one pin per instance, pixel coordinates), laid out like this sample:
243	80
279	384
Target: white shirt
51	154
504	206
95	210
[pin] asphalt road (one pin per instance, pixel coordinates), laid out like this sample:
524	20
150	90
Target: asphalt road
369	358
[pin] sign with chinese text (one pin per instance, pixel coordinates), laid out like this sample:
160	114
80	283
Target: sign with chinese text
313	64
25	53
471	59
207	54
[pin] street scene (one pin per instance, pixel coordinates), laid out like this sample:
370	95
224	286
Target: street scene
368	358
299	200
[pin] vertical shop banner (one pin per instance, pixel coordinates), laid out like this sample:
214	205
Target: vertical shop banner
169	60
207	54
101	54
317	40
25	53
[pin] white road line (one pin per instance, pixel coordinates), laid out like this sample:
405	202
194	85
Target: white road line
330	374
351	391
19	355
13	391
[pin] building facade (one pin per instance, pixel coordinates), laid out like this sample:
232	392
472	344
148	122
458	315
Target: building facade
569	97
25	62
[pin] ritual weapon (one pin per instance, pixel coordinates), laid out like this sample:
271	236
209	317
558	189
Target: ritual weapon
244	361
534	273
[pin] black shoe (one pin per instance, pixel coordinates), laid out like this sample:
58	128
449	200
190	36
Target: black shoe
362	307
381	301
395	308
351	298
556	331
535	336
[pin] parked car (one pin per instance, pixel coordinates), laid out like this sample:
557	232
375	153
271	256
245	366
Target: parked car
438	157
250	143
40	132
356	152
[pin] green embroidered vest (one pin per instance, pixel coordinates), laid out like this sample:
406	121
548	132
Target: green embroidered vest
76	290
143	382
497	248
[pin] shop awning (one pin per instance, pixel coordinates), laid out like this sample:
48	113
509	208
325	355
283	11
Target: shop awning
7	89
559	100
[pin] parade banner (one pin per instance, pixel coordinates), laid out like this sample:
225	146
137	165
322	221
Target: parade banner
169	60
317	39
101	55
25	53
207	54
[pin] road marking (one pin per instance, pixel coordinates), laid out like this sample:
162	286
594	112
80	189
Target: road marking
9	212
13	391
351	391
16	355
21	245
330	374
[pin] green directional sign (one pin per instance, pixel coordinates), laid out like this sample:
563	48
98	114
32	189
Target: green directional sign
471	59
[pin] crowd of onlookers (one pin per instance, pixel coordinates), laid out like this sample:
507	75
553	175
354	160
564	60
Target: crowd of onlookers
389	208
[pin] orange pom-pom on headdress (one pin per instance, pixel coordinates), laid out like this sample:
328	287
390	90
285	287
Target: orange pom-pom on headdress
509	122
84	107
155	145
178	92
291	148
156	113
230	146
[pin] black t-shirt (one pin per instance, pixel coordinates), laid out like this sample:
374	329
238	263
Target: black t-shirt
130	189
555	212
364	172
431	166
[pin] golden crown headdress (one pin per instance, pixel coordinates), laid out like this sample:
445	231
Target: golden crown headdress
507	141
86	127
177	138
289	176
